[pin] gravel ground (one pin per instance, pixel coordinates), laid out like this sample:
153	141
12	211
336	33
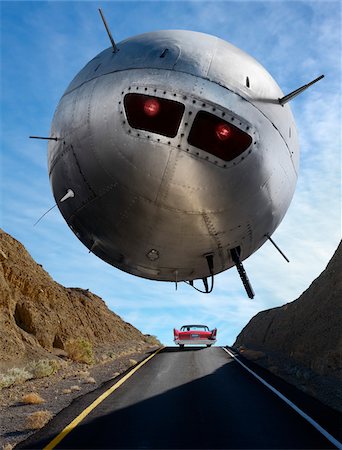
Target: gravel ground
58	391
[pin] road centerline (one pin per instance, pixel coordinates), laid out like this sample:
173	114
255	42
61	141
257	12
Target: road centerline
57	439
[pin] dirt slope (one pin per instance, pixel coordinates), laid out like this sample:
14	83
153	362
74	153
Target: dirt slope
302	340
38	315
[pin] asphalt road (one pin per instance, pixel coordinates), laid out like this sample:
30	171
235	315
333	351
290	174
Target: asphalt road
194	398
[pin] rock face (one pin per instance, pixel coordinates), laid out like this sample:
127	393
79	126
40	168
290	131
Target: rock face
38	315
305	333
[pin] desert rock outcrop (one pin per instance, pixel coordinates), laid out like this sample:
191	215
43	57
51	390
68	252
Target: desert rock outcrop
38	316
304	338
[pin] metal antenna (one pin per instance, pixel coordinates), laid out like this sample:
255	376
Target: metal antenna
298	91
45	138
115	49
69	194
40	218
176	280
276	246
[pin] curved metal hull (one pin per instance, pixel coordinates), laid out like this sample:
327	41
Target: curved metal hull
153	205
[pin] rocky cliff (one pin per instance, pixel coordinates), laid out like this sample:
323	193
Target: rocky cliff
302	340
38	316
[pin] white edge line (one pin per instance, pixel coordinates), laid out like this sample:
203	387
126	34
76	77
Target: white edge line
293	406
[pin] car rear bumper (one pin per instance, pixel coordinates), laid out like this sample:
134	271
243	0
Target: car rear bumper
195	341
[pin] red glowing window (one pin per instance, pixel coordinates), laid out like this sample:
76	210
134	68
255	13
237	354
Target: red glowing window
158	115
218	137
151	107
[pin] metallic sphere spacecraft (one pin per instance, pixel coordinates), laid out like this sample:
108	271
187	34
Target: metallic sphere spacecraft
174	156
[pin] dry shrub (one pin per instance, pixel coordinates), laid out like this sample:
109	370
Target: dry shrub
84	374
43	368
8	446
75	388
89	380
66	391
132	362
253	355
80	350
14	376
32	399
151	340
38	419
36	369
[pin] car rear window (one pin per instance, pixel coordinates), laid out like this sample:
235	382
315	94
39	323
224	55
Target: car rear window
194	328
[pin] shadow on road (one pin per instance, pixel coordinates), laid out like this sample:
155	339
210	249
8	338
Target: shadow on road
184	349
226	409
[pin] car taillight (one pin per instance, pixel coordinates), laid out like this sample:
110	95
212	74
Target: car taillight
155	114
218	137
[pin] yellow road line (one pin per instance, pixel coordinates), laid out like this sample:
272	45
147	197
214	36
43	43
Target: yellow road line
95	403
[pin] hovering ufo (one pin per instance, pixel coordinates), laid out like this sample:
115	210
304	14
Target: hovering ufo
174	156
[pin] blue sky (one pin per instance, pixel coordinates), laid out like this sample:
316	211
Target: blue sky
43	46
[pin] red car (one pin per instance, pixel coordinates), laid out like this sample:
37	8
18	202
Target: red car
194	335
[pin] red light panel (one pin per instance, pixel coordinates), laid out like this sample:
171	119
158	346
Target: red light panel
218	137
155	114
151	107
223	131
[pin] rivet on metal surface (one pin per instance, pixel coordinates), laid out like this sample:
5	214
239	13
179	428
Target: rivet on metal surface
153	255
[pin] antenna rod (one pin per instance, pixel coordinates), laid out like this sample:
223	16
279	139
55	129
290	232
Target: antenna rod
115	49
46	138
276	246
298	91
40	218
